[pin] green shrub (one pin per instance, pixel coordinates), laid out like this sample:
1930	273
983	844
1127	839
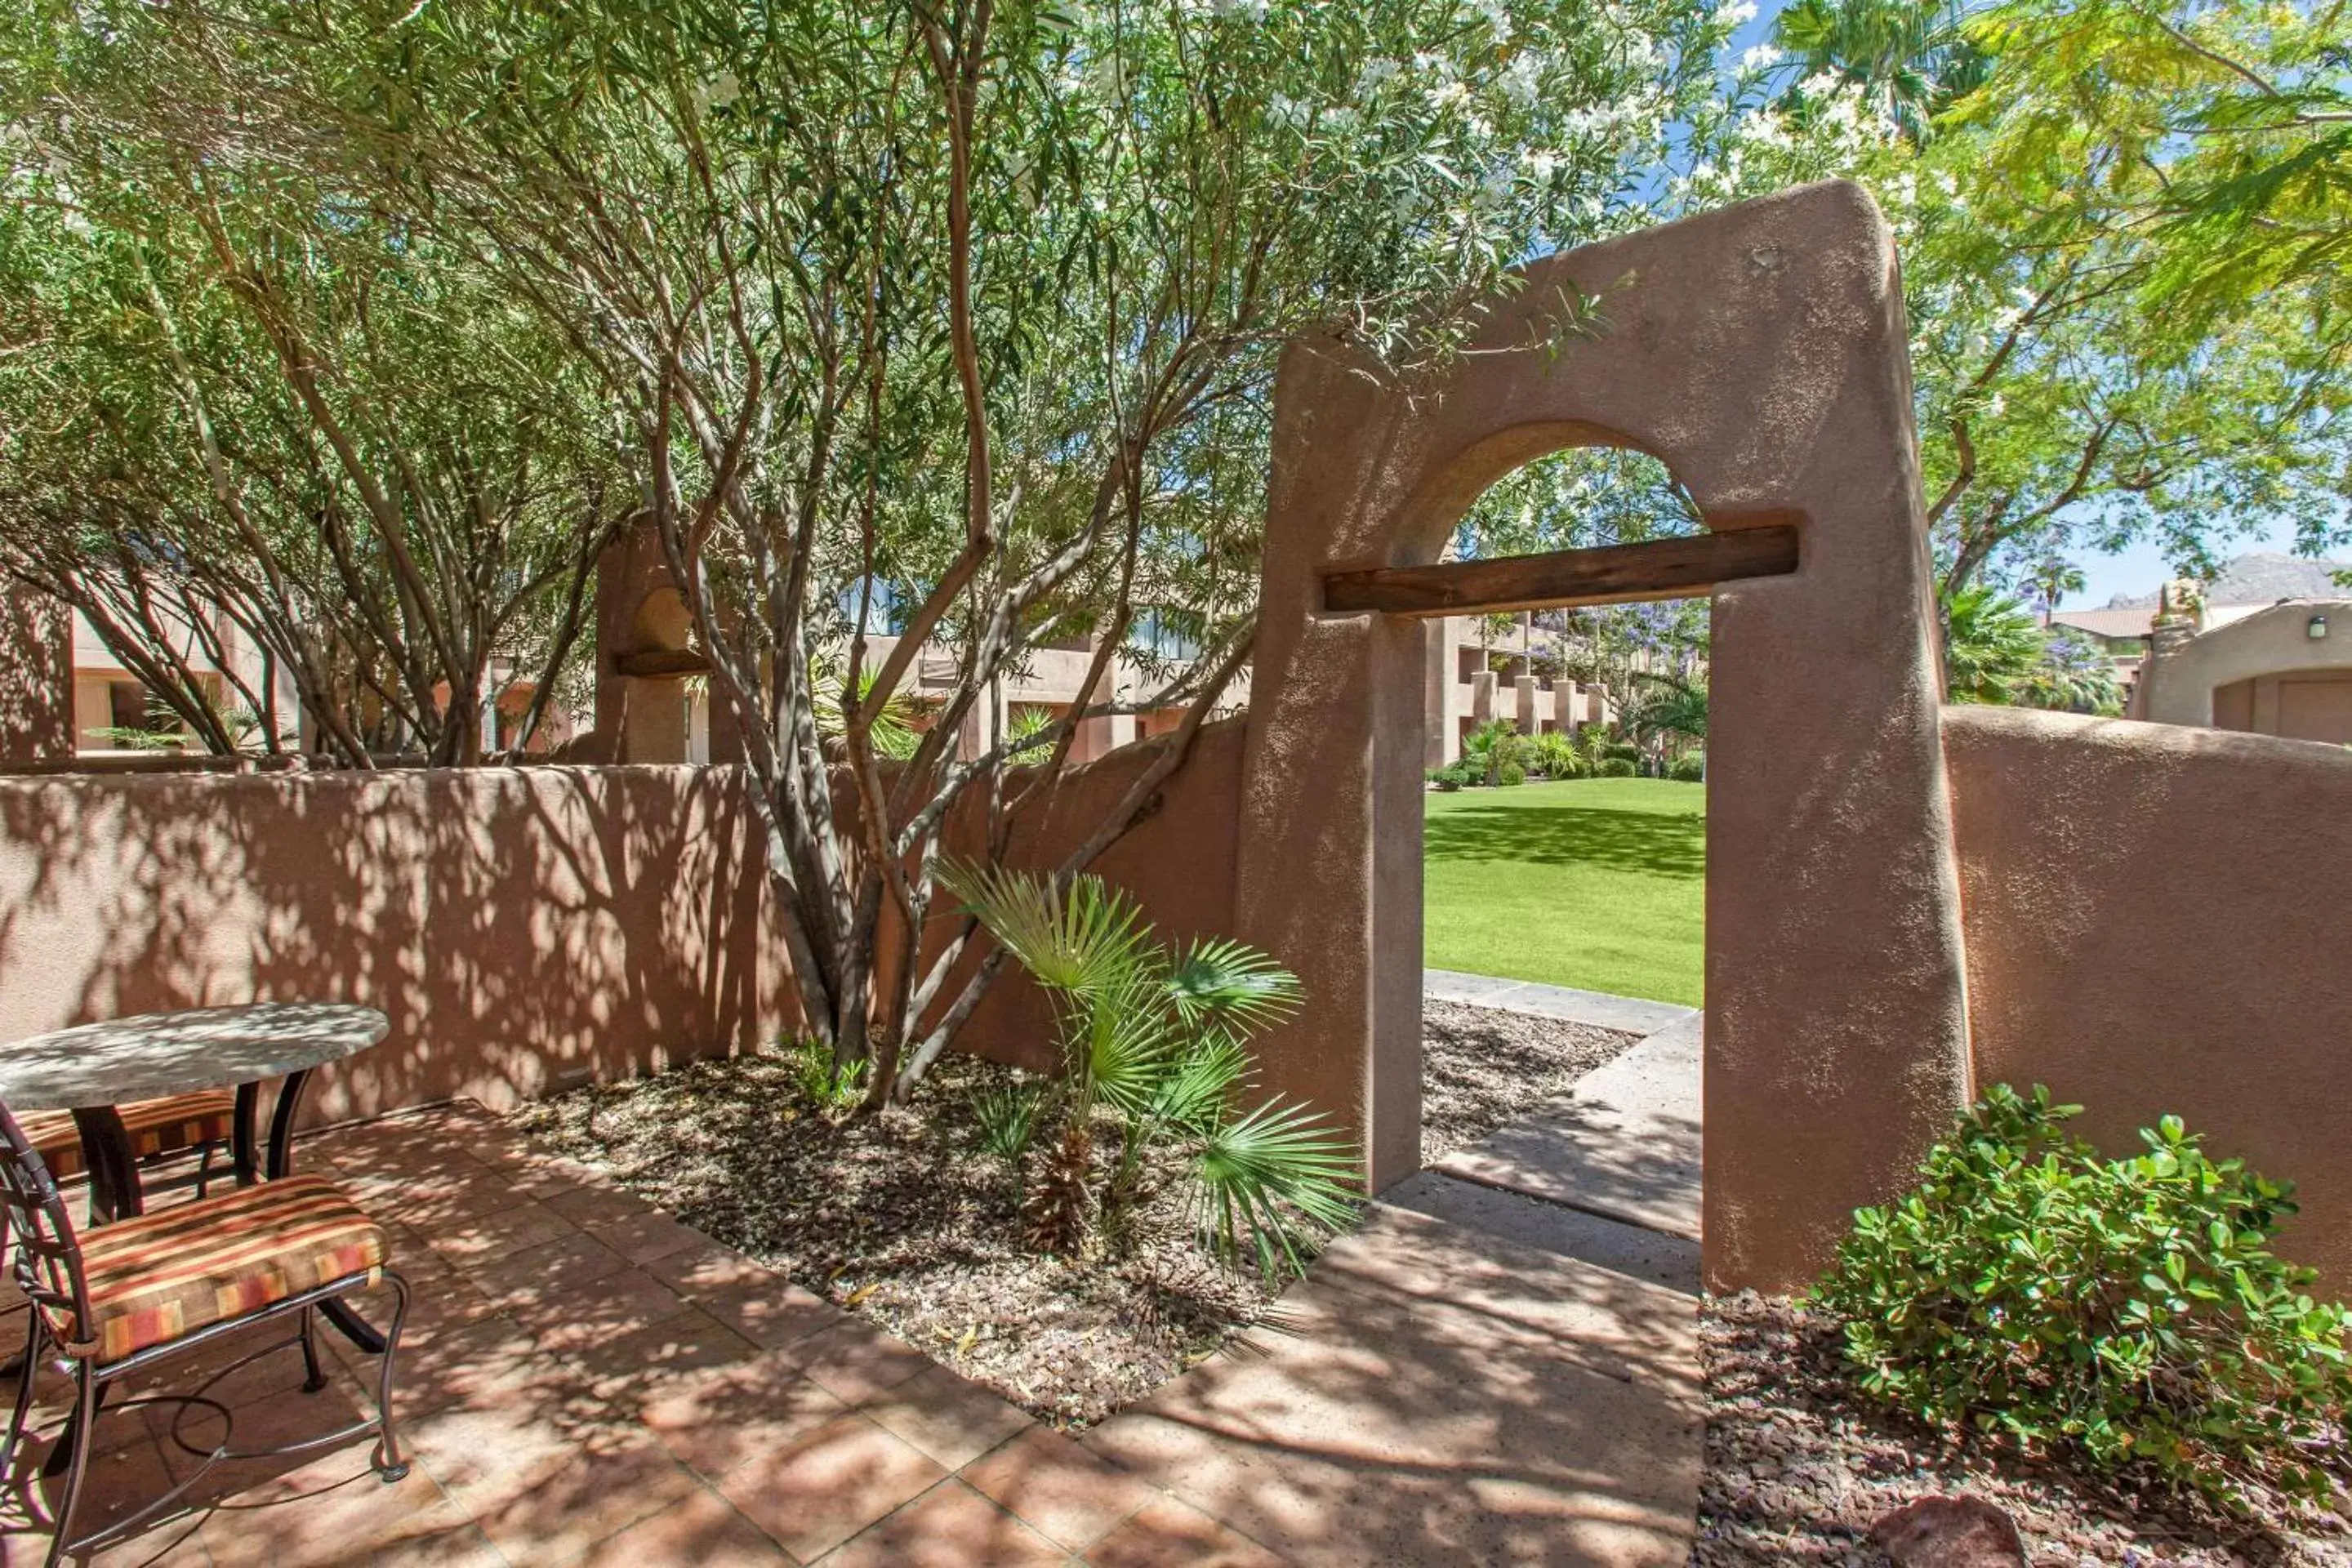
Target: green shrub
1555	753
1689	770
2122	1309
1511	774
1454	776
1616	768
823	1082
1008	1120
1621	752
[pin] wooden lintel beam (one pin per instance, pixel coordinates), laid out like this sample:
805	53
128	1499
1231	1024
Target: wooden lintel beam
657	663
1613	574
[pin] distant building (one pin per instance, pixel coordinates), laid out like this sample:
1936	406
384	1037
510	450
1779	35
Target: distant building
2283	669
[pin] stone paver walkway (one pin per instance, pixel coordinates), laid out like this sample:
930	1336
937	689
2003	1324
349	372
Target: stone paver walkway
1475	1375
1635	1014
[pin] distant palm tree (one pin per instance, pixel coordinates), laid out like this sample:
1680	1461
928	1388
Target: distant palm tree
1675	709
2073	677
1990	645
1908	56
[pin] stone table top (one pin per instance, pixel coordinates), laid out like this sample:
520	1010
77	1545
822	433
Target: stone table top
158	1054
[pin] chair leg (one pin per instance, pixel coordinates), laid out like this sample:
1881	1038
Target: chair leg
26	1370
85	1417
205	1171
318	1378
391	1465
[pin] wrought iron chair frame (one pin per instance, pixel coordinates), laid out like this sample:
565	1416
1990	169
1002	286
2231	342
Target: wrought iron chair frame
49	1267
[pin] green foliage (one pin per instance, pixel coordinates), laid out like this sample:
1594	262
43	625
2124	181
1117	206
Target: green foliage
1616	768
2123	1309
1155	1039
1495	746
1689	768
1620	752
824	1082
1991	644
1511	774
1008	1120
1556	756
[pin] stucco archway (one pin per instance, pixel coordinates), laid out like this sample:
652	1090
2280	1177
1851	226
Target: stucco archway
1758	353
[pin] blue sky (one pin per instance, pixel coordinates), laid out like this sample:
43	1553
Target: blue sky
2138	569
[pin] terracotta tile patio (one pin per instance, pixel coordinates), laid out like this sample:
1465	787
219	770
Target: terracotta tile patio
584	1380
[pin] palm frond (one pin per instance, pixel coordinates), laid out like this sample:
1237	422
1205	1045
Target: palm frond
1216	978
1080	941
1199	1085
1128	1045
1251	1173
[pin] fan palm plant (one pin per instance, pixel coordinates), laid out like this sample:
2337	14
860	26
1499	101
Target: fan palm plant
1154	1046
1673	714
1991	644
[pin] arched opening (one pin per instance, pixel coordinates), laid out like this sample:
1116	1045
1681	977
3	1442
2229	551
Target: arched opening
1563	879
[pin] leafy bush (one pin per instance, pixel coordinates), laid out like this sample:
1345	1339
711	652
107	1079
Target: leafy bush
1154	1041
1493	746
1555	753
1691	769
1616	768
824	1083
1454	776
1511	774
2120	1309
1621	752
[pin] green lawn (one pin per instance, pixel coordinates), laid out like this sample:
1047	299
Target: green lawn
1599	883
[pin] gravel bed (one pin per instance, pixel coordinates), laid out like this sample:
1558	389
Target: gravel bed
1481	1067
1798	1470
899	1217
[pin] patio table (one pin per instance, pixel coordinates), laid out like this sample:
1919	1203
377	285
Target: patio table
93	1067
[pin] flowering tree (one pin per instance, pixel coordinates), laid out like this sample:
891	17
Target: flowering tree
2060	402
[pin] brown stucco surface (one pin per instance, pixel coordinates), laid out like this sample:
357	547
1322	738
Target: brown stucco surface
1760	352
35	678
523	929
2154	921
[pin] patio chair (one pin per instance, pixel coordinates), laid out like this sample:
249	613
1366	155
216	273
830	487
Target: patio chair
114	1301
202	1124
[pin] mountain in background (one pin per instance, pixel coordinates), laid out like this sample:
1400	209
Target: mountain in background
2259	579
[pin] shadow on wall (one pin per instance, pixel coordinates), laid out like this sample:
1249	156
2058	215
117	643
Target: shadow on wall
522	929
1644	841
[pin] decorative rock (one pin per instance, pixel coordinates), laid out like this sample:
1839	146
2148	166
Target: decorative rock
1949	1533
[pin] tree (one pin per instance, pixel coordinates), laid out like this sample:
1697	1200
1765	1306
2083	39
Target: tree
2056	408
2052	578
232	401
951	330
1990	645
1671	713
1908	59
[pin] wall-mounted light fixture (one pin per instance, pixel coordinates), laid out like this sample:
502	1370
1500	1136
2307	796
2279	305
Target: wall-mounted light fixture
2315	627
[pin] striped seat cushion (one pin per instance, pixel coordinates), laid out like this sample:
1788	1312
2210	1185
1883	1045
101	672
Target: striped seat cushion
156	1126
170	1273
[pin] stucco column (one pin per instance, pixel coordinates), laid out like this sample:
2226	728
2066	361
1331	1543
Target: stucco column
1482	698
1526	705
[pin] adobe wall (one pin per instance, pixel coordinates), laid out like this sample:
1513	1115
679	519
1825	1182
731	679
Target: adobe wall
2176	684
2156	922
523	929
1760	352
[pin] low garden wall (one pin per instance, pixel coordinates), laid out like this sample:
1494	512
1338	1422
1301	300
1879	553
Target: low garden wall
2155	921
524	930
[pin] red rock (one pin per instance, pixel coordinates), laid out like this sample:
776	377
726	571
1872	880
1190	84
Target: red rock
1949	1533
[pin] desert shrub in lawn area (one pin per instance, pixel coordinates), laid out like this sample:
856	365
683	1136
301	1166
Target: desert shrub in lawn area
1688	769
1555	754
1621	752
1511	774
1616	768
2122	1311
